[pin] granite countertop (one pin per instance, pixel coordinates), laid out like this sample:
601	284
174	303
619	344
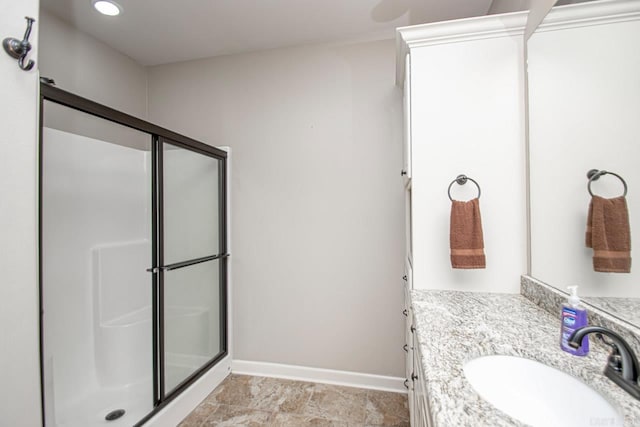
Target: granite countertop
453	327
626	308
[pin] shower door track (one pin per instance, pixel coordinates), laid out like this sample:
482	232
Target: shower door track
159	135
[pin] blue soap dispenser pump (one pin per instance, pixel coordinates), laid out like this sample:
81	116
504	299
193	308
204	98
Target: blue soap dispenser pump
572	317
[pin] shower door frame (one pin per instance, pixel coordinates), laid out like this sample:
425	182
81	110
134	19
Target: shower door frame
158	136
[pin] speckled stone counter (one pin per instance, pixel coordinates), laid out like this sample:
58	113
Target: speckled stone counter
550	299
453	327
627	308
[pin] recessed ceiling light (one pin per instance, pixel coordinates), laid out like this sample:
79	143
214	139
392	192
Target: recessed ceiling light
107	7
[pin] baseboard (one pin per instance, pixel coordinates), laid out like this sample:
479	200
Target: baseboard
318	375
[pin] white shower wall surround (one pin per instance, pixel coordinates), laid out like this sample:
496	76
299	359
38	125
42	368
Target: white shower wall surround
122	311
88	218
97	292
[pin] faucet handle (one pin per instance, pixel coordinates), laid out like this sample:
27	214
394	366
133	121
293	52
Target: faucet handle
615	359
605	341
615	362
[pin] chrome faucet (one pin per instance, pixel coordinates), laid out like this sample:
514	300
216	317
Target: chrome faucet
622	365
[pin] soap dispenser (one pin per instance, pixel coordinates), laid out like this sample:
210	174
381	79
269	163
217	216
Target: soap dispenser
572	317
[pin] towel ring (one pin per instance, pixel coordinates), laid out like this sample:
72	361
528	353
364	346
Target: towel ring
462	180
595	174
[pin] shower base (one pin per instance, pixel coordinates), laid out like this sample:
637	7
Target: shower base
136	400
93	407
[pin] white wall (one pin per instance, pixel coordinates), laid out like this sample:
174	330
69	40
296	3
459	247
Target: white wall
87	67
467	115
584	110
317	197
19	361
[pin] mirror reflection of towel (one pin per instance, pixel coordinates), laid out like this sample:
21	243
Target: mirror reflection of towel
465	237
608	233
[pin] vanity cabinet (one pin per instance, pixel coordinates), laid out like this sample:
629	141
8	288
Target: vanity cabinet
464	113
408	332
421	415
417	394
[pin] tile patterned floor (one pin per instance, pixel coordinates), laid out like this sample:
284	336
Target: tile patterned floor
243	400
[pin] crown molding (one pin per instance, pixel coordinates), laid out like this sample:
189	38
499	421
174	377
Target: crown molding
591	13
510	24
460	30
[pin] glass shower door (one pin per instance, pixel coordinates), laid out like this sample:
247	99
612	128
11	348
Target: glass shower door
95	247
192	253
119	200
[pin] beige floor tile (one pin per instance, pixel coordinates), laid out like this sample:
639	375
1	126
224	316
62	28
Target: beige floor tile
387	409
237	416
243	400
237	390
282	395
399	424
199	415
337	403
295	420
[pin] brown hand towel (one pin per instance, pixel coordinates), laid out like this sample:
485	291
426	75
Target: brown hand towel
465	237
608	233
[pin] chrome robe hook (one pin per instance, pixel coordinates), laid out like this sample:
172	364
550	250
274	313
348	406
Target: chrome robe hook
19	49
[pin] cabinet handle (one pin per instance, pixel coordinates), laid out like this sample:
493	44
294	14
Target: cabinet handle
413	377
413	328
404	277
405	348
406	384
405	312
403	172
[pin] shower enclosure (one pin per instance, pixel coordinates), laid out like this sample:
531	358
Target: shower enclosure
133	263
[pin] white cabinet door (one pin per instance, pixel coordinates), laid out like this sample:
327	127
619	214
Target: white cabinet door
408	280
406	167
416	379
421	416
408	226
408	347
408	335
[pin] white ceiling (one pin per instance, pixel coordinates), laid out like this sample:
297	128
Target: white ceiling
162	31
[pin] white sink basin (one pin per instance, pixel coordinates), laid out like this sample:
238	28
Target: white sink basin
537	394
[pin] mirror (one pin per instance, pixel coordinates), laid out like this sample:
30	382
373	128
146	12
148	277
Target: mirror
584	113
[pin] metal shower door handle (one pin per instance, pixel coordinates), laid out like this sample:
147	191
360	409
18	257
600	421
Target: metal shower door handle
178	265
